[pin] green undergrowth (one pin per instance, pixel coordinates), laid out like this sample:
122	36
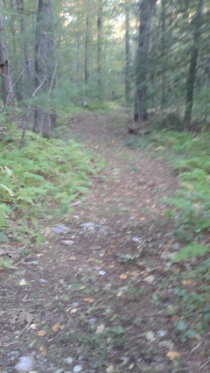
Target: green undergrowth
190	212
190	157
44	176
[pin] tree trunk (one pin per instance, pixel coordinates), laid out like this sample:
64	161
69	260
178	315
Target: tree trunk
44	64
7	88
78	51
146	10
163	22
86	49
99	48
193	63
20	6
127	52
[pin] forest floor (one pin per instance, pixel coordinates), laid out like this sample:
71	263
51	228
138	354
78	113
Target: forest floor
96	296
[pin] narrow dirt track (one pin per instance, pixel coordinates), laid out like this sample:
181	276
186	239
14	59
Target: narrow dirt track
98	293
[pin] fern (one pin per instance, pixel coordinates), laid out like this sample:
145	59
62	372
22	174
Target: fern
190	251
42	171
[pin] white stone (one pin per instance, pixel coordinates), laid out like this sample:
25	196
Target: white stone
26	364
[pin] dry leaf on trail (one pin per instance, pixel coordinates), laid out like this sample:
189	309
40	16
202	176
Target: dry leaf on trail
56	328
149	279
186	282
110	369
74	203
32	326
41	333
132	273
90	300
172	355
74	310
20	316
150	336
100	329
123	276
42	350
90	260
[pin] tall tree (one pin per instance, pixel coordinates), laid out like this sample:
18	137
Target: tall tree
24	42
127	52
146	9
7	88
193	62
44	64
86	49
99	47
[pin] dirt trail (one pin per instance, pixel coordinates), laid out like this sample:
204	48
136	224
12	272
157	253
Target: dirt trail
98	293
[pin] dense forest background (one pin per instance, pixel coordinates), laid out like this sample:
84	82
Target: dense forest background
80	80
153	54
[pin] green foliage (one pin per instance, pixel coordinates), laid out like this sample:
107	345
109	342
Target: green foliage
190	251
193	307
6	263
191	215
41	172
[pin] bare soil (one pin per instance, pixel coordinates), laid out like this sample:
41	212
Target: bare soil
103	299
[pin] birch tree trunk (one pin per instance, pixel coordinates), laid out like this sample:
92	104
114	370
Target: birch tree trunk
7	88
193	62
44	64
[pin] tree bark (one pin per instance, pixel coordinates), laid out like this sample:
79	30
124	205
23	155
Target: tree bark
7	88
44	64
146	10
193	62
78	51
86	49
127	52
163	22
20	7
99	48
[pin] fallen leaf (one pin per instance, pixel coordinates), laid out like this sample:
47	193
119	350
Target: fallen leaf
112	266
56	328
90	260
172	355
149	279
150	336
100	329
123	276
132	273
186	282
42	350
90	300
144	273
32	326
74	310
110	369
41	333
